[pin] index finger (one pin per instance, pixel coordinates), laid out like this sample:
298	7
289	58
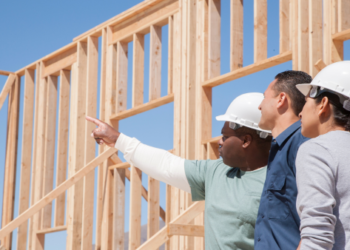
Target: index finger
94	120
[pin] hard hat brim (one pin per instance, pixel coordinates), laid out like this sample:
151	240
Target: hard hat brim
226	118
304	88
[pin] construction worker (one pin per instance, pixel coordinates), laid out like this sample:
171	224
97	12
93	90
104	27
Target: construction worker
322	163
277	225
231	186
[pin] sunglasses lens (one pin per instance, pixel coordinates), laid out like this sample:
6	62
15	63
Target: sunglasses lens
313	92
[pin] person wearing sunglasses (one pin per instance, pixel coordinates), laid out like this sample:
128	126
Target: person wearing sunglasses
322	164
231	186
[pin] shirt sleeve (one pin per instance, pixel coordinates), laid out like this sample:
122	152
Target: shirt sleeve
157	163
315	200
196	172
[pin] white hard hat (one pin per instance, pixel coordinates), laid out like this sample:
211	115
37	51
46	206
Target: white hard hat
244	111
336	78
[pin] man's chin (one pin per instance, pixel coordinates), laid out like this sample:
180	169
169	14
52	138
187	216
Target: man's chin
262	125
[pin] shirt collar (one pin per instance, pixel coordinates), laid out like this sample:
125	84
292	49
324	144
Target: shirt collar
287	133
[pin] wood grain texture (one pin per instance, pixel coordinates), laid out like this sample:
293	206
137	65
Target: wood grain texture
49	153
10	160
138	69
155	63
27	136
62	144
236	35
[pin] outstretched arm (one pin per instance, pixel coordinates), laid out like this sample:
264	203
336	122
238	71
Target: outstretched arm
157	163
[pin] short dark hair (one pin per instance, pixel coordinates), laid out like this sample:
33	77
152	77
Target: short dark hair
286	82
340	115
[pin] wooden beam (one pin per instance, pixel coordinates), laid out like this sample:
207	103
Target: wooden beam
38	240
153	207
143	108
62	143
78	111
236	61
103	166
188	215
118	208
214	38
343	15
213	151
156	16
155	62
7	88
59	62
284	26
303	35
135	208
175	199
122	76
212	140
35	144
27	133
320	65
186	230
56	192
10	160
134	11
332	49
6	73
253	68
122	165
52	230
138	69
49	153
170	53
91	110
294	33
315	35
342	36
260	30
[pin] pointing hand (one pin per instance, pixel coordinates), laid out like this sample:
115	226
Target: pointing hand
104	133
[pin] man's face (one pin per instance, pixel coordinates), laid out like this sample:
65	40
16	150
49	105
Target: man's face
230	147
268	108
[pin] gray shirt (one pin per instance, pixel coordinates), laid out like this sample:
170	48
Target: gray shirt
323	181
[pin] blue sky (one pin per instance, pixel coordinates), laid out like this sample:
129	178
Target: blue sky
33	29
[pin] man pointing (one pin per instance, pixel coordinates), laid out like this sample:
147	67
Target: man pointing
231	186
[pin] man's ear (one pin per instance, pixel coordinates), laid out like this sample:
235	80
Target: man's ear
247	140
282	99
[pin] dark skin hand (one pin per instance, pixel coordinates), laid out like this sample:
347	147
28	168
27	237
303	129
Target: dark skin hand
104	133
240	151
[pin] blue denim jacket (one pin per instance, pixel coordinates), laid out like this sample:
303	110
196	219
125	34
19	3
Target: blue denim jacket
277	225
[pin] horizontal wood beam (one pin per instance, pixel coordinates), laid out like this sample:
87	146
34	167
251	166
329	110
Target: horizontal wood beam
56	53
141	7
52	230
212	140
6	89
342	36
5	73
54	65
143	107
188	215
141	23
253	68
56	192
186	230
120	165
